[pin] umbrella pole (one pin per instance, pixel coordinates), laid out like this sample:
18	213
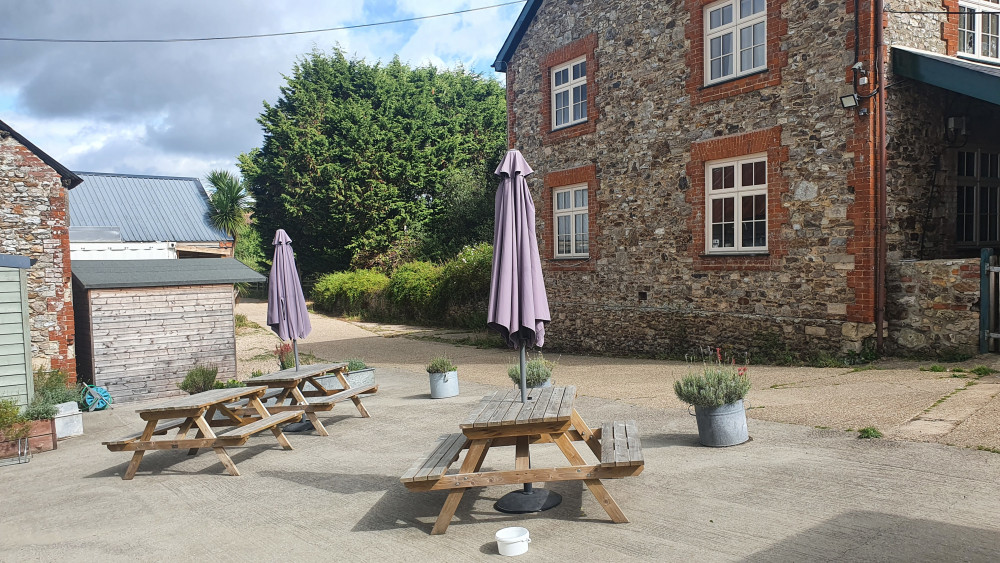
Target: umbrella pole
295	348
528	499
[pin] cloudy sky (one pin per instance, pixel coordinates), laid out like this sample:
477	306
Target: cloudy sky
183	109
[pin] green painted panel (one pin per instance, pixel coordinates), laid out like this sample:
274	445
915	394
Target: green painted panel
13	338
11	328
14	307
13	369
9	275
12	359
12	349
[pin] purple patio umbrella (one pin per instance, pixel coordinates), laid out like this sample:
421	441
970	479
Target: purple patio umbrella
519	307
286	306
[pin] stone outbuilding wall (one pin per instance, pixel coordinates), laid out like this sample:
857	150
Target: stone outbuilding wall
34	223
936	307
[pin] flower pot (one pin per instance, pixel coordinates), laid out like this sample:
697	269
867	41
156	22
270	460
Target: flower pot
41	438
69	420
546	383
354	378
444	385
722	426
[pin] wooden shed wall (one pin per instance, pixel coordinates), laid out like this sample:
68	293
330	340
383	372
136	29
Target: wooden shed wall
15	341
144	340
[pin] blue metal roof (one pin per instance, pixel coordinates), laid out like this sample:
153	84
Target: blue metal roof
144	208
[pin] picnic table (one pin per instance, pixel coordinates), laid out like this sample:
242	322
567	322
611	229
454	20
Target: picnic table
200	410
290	394
548	417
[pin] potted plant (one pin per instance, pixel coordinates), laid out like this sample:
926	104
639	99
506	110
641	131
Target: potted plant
51	387
443	377
537	373
14	430
717	394
358	374
40	415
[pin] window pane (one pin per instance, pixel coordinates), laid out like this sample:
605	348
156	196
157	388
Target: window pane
716	69
759	55
717	178
563	244
758	33
716	210
581	223
758	6
562	200
746	59
747	211
729	235
580	102
727	43
747	174
716	236
728	176
760	173
715	47
729	209
564	225
579	70
727	14
746	37
746	8
760	207
727	65
580	198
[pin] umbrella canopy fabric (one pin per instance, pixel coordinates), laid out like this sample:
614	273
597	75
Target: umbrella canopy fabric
518	307
286	306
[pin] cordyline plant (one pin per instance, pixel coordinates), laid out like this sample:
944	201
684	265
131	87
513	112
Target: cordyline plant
719	383
285	354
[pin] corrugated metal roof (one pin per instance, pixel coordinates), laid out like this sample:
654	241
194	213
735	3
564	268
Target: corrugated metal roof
144	208
103	274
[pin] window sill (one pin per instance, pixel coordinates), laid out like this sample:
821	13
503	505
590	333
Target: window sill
734	79
572	125
734	255
569	258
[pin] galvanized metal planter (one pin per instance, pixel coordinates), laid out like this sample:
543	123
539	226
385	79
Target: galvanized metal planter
722	426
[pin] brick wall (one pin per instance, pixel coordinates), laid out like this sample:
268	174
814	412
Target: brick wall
34	223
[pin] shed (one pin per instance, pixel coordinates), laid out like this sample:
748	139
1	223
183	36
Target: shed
15	334
143	324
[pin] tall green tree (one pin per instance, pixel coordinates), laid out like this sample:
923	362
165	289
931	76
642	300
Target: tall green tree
229	203
356	156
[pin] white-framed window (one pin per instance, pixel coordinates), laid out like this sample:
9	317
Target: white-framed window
977	220
979	29
736	204
571	217
569	93
735	39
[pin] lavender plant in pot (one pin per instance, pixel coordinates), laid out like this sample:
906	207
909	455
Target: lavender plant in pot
717	392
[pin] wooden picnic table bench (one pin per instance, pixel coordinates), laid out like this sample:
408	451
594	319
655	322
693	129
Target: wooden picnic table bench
548	417
198	410
289	384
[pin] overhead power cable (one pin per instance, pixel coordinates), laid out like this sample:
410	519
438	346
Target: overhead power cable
257	35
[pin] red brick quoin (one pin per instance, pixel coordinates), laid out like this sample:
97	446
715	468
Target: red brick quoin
949	28
554	180
694	31
585	46
732	146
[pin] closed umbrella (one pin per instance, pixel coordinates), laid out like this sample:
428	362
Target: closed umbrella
518	308
286	306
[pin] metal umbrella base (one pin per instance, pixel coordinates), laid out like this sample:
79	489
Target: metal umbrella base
528	500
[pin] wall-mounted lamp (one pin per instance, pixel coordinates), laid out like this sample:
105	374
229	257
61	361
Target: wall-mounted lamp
849	101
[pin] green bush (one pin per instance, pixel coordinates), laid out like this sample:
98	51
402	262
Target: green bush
441	365
40	409
466	277
13	425
229	384
199	379
356	364
412	289
52	386
350	293
536	372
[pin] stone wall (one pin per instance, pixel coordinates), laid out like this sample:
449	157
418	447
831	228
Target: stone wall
649	287
934	307
34	223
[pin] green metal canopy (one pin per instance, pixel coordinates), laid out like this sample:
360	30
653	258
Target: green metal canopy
981	81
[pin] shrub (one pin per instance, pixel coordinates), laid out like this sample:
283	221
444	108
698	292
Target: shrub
536	372
441	365
356	364
13	425
199	379
229	384
869	432
350	293
413	288
51	386
257	373
40	409
718	384
285	355
466	277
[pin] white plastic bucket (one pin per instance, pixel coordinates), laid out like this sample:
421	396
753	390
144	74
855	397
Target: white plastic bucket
513	541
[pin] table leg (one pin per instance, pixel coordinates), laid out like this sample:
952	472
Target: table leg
473	460
220	451
262	411
184	429
596	487
586	433
133	466
300	399
341	376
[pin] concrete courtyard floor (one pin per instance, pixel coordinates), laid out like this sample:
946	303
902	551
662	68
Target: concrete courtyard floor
795	492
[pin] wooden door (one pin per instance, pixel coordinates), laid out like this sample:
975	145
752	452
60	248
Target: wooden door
15	337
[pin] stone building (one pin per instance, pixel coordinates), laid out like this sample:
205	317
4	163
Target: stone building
34	224
741	173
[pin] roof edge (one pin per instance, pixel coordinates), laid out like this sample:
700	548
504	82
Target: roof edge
516	33
69	179
150	176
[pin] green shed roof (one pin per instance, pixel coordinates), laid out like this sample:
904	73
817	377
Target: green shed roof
104	274
973	79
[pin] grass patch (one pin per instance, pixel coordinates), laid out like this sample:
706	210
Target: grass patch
983	370
243	322
822	427
869	367
483	340
988	449
869	432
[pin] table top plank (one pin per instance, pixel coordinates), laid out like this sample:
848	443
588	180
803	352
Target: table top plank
293	375
204	399
478	410
607	442
634	446
490	410
621	444
566	408
537	413
553	407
